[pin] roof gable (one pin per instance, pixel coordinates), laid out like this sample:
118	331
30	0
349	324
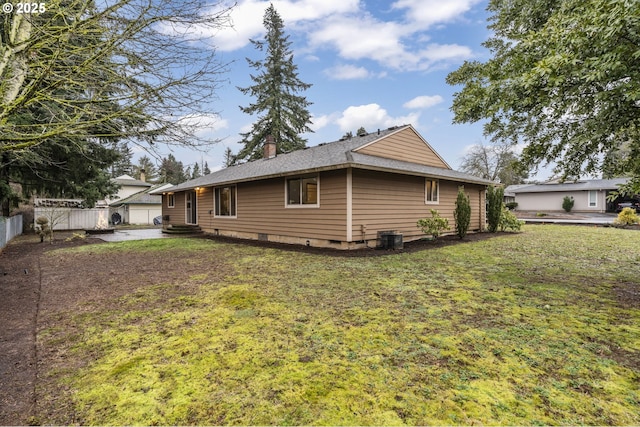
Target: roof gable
144	197
404	144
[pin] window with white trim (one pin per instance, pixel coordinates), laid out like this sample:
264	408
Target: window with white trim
302	192
171	200
225	201
432	191
593	198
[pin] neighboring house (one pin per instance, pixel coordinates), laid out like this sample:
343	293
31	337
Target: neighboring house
340	194
588	195
140	208
133	204
128	187
509	192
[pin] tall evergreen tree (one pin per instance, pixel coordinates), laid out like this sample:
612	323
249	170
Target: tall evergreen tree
206	169
229	158
122	165
281	111
69	169
195	172
172	171
150	169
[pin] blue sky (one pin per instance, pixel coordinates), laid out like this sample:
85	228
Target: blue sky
372	63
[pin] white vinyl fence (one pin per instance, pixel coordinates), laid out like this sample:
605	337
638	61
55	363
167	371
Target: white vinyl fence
73	218
9	228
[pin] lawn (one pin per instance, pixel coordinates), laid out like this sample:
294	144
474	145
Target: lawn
539	327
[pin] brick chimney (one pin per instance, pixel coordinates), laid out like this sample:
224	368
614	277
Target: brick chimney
269	147
143	175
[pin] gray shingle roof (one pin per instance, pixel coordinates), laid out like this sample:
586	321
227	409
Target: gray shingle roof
334	155
583	185
127	180
141	198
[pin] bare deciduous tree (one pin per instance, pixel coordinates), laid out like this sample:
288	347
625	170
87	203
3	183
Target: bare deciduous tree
137	69
493	162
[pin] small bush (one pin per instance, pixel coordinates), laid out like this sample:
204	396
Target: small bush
511	205
627	216
76	236
541	214
495	198
462	213
567	203
433	226
508	221
44	228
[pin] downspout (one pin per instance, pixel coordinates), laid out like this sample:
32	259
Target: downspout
349	204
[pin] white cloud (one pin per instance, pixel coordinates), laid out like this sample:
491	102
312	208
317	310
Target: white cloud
429	12
347	72
424	101
247	17
372	116
442	52
346	27
384	42
293	11
319	122
204	125
362	38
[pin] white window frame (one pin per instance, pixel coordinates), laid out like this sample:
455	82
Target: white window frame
427	194
301	205
171	200
234	197
595	198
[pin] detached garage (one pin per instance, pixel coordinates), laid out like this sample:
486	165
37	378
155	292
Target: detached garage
140	208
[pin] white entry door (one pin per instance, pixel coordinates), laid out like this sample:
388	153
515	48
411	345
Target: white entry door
192	209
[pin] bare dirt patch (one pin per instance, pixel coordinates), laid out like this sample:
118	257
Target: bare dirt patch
20	276
38	289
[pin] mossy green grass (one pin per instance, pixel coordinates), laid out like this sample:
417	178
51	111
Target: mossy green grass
520	329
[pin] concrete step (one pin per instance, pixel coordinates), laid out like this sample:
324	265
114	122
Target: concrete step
182	229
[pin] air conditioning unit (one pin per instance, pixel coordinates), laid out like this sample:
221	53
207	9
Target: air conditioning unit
390	240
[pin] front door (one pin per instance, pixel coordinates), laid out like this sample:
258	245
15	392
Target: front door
192	210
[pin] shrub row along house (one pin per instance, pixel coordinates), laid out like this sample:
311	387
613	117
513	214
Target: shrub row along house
341	194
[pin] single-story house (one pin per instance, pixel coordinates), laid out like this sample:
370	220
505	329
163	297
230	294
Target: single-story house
340	194
589	195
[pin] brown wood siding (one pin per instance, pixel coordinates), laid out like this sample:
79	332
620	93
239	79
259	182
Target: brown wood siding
261	209
404	145
205	205
177	213
385	201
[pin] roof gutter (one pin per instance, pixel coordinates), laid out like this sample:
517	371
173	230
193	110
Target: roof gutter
349	164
